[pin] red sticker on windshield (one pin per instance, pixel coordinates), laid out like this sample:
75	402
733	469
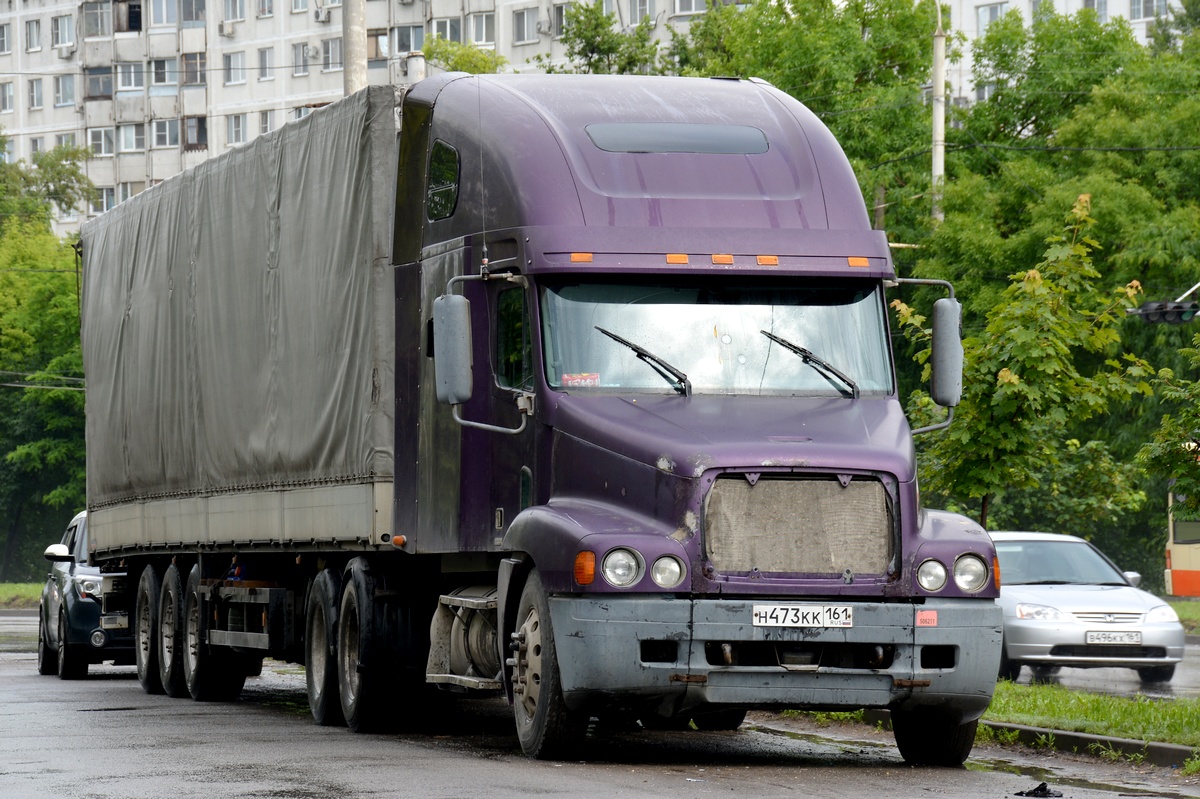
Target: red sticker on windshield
581	380
927	618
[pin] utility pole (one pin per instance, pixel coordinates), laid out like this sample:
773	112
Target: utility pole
939	116
354	45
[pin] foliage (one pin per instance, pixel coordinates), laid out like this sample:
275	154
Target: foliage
1175	449
1028	378
459	57
595	46
55	178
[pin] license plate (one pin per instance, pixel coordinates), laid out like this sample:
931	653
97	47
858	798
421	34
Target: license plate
1134	638
803	616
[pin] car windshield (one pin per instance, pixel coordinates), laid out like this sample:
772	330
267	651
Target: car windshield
1063	562
817	337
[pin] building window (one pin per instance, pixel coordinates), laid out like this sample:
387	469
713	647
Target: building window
333	3
265	8
9	154
62	31
106	198
1147	9
560	19
97	19
36	145
235	129
164	12
64	90
300	59
299	6
102	141
1099	6
194	69
235	10
127	190
35	94
986	15
193	11
235	68
266	63
449	28
483	28
639	10
331	54
131	138
130	75
5	38
6	97
195	133
64	140
300	112
377	45
99	83
33	35
166	132
525	26
163	72
266	121
407	38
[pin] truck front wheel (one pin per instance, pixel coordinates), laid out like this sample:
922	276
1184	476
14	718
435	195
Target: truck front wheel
546	727
145	619
928	738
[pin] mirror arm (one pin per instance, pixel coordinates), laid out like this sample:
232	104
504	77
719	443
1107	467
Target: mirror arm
938	426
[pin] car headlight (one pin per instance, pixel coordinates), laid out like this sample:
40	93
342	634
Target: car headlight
1040	613
88	586
667	572
931	575
1161	614
622	568
970	573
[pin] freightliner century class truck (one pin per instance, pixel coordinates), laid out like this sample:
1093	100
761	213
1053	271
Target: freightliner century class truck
573	389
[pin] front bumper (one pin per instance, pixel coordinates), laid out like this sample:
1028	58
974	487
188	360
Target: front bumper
676	654
1064	644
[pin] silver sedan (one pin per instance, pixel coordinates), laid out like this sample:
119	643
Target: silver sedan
1066	604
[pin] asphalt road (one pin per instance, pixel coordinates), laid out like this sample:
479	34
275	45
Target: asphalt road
1125	682
104	738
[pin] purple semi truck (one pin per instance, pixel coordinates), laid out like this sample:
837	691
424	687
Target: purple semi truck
577	390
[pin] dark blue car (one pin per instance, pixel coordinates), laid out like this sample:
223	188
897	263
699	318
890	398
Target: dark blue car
73	633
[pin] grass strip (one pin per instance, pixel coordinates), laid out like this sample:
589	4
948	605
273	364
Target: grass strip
19	596
1189	614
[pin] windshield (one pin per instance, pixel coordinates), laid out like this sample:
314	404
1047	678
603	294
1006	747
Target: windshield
1054	562
716	336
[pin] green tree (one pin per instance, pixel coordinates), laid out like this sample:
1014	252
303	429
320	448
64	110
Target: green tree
1047	359
595	46
55	178
458	57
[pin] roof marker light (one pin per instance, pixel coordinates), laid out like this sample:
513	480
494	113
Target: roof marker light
723	260
677	258
855	260
581	257
768	260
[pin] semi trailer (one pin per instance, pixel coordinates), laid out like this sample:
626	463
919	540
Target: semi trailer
575	390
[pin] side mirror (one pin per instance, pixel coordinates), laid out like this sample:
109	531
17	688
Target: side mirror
946	360
452	363
1134	578
58	553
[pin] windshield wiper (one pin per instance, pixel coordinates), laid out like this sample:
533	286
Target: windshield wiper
827	370
678	380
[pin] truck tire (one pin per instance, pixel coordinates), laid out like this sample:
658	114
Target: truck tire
71	663
212	674
47	655
546	727
929	738
362	685
145	630
170	642
320	649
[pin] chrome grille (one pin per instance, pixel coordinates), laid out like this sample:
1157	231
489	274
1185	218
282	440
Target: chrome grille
1109	618
804	526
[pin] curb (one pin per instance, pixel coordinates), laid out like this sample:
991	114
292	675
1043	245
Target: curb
1158	754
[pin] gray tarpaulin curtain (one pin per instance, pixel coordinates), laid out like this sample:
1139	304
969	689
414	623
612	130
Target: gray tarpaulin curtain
237	318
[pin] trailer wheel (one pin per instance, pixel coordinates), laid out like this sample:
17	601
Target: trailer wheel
320	650
546	727
169	643
359	685
47	656
145	630
928	738
211	673
71	663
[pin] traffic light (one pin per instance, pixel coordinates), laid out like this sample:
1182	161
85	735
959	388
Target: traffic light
1172	313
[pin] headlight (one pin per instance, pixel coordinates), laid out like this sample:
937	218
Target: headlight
1040	613
970	573
1161	614
88	586
931	575
622	568
667	572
